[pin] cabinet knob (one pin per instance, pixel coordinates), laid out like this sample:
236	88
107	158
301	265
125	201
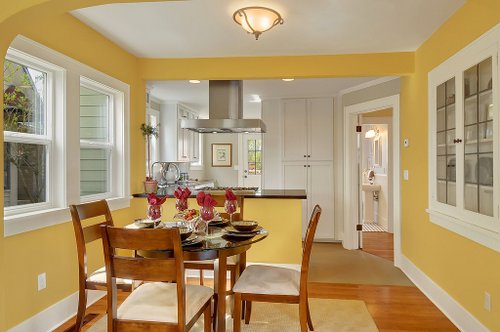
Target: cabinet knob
308	165
308	156
305	165
305	156
457	140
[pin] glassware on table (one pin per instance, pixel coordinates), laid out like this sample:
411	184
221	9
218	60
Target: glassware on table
206	214
181	204
154	214
230	207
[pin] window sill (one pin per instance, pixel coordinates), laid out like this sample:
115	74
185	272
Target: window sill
26	222
482	236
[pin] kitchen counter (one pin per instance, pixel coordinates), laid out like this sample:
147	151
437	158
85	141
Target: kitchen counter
264	193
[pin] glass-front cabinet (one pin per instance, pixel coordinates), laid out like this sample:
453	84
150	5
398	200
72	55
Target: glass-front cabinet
463	143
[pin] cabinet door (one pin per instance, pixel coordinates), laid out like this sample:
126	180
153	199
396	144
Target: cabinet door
294	129
320	129
320	182
478	138
446	170
295	176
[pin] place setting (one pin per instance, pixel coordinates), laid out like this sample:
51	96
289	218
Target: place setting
243	230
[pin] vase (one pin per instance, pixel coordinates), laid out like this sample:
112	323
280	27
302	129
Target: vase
150	186
154	212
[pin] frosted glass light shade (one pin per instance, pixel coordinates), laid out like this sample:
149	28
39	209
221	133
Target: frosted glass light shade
257	20
370	133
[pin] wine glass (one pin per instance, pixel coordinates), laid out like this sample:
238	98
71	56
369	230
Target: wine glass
206	214
181	204
230	206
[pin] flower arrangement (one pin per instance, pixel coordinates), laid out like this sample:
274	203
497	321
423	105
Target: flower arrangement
149	131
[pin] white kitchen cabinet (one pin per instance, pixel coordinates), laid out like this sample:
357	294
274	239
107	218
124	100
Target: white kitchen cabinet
317	179
463	142
308	129
178	144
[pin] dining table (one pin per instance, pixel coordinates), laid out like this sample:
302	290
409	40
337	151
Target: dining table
216	244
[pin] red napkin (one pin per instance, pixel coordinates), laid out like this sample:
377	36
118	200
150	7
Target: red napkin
186	193
178	192
155	200
200	198
230	196
205	200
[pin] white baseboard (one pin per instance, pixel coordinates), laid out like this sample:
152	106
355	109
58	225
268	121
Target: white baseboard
57	314
462	319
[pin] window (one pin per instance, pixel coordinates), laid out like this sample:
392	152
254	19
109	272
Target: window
27	138
95	139
254	156
53	154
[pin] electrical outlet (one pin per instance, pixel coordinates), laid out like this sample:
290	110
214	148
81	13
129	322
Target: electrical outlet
487	301
42	281
406	142
406	176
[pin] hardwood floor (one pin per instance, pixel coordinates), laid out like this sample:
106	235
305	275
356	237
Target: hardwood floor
380	244
393	308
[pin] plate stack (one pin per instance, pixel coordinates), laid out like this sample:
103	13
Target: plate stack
243	229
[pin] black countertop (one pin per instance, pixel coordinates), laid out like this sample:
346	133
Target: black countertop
264	193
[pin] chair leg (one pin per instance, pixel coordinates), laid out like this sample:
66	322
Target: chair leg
237	312
82	306
309	319
248	311
303	315
214	313
207	318
201	277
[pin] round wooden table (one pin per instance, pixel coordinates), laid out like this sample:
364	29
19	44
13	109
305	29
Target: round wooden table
217	245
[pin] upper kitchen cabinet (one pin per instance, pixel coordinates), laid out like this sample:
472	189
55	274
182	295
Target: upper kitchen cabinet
463	142
178	144
308	129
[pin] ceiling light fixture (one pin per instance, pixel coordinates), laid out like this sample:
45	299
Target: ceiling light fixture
371	133
257	20
288	79
194	81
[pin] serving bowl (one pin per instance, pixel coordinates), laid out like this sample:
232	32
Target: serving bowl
244	225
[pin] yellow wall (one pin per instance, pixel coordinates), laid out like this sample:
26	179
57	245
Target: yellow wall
463	268
379	114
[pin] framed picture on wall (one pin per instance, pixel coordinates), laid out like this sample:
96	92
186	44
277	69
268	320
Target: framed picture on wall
222	155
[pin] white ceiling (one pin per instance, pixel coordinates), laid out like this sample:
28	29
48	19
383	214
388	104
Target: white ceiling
203	28
195	96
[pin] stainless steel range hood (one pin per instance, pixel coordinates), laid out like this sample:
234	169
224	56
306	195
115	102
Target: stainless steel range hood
225	111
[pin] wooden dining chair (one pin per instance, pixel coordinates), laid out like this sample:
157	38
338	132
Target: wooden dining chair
231	263
276	284
80	213
164	302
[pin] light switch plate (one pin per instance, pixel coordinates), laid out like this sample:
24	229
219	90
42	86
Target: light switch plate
405	175
42	281
406	142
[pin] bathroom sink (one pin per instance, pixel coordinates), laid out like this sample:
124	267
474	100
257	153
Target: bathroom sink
370	187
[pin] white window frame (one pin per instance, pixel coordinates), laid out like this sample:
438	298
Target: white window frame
65	150
109	146
474	226
55	80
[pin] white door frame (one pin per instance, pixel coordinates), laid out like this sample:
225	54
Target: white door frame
350	240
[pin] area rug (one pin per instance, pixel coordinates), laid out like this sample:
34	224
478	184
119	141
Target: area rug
327	315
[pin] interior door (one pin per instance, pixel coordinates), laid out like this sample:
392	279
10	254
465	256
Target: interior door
252	160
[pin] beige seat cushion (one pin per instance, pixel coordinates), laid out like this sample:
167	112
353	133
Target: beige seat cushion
157	301
263	279
99	276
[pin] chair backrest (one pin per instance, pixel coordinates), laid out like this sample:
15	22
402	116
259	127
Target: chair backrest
89	233
168	268
307	247
221	199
